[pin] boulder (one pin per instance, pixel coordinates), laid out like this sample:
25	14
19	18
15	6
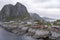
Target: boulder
31	32
54	36
41	34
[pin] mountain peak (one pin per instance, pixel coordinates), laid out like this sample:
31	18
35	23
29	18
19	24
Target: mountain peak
11	12
18	4
35	16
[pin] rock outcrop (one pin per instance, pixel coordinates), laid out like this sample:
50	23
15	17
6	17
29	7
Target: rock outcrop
34	33
10	12
28	31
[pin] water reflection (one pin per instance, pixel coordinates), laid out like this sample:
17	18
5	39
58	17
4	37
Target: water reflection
4	35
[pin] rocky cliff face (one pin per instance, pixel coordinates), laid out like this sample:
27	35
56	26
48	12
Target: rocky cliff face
10	12
35	16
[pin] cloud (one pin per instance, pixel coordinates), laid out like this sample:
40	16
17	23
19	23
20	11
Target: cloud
48	3
4	2
37	1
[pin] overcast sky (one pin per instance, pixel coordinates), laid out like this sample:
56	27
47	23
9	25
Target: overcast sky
48	8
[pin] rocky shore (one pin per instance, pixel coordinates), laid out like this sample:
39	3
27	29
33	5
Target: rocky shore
34	33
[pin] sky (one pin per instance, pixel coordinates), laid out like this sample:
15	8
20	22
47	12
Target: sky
45	8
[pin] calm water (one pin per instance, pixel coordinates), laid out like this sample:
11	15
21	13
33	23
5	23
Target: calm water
4	35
